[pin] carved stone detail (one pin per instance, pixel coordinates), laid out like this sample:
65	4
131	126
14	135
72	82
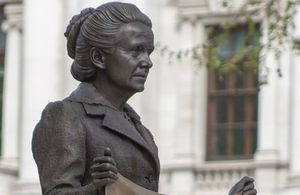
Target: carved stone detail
13	14
190	9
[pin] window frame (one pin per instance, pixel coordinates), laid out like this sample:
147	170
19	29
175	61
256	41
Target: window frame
231	91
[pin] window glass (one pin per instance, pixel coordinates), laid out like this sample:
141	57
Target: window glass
220	142
239	108
232	118
221	109
254	136
254	100
239	141
221	84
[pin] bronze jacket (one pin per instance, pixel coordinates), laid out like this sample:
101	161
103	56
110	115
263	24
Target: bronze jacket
72	132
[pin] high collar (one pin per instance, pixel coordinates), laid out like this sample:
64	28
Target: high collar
95	103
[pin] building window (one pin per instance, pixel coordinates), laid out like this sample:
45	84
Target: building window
2	53
232	107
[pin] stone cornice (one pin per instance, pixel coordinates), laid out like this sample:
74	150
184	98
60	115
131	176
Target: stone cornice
3	2
210	12
192	7
188	10
13	14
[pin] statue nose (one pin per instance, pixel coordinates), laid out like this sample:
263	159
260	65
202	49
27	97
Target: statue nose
146	62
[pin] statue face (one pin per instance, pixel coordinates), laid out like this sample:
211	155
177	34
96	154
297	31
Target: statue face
128	66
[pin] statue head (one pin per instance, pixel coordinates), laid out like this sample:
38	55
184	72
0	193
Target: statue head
101	28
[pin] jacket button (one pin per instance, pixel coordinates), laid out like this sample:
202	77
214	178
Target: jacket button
151	178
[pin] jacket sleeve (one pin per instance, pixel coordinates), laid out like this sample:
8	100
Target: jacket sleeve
59	149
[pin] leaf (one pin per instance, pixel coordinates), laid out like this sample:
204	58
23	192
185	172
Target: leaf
163	50
225	4
252	3
186	53
290	4
209	31
296	44
179	54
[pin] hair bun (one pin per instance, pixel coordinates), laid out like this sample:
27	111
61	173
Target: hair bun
73	29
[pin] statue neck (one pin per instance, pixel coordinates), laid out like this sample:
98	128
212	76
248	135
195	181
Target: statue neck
116	95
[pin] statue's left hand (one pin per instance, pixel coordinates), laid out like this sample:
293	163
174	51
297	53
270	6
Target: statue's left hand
104	170
245	186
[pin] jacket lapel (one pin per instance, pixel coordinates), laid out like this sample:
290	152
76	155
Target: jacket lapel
97	105
116	122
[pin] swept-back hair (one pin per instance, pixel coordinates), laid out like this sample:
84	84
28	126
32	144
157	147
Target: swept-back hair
99	28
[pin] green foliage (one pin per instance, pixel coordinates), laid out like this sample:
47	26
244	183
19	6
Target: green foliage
277	26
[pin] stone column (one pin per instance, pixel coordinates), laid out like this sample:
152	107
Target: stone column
271	157
200	99
293	179
42	75
184	91
185	129
266	155
266	150
11	87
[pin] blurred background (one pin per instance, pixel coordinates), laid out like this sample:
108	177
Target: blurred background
212	127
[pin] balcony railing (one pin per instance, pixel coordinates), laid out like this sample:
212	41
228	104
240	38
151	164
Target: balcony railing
210	177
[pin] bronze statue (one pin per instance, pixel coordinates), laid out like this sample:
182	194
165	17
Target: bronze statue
110	46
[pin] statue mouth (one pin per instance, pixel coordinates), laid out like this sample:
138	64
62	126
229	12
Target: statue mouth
143	75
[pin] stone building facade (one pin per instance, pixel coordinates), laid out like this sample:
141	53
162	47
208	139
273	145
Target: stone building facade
174	105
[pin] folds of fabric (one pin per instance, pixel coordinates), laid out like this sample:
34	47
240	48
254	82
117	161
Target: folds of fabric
124	186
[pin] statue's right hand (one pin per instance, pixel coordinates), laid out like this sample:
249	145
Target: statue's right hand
104	170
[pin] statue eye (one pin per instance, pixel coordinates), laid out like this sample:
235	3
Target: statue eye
137	50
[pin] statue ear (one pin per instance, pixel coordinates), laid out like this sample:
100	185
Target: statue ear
97	57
